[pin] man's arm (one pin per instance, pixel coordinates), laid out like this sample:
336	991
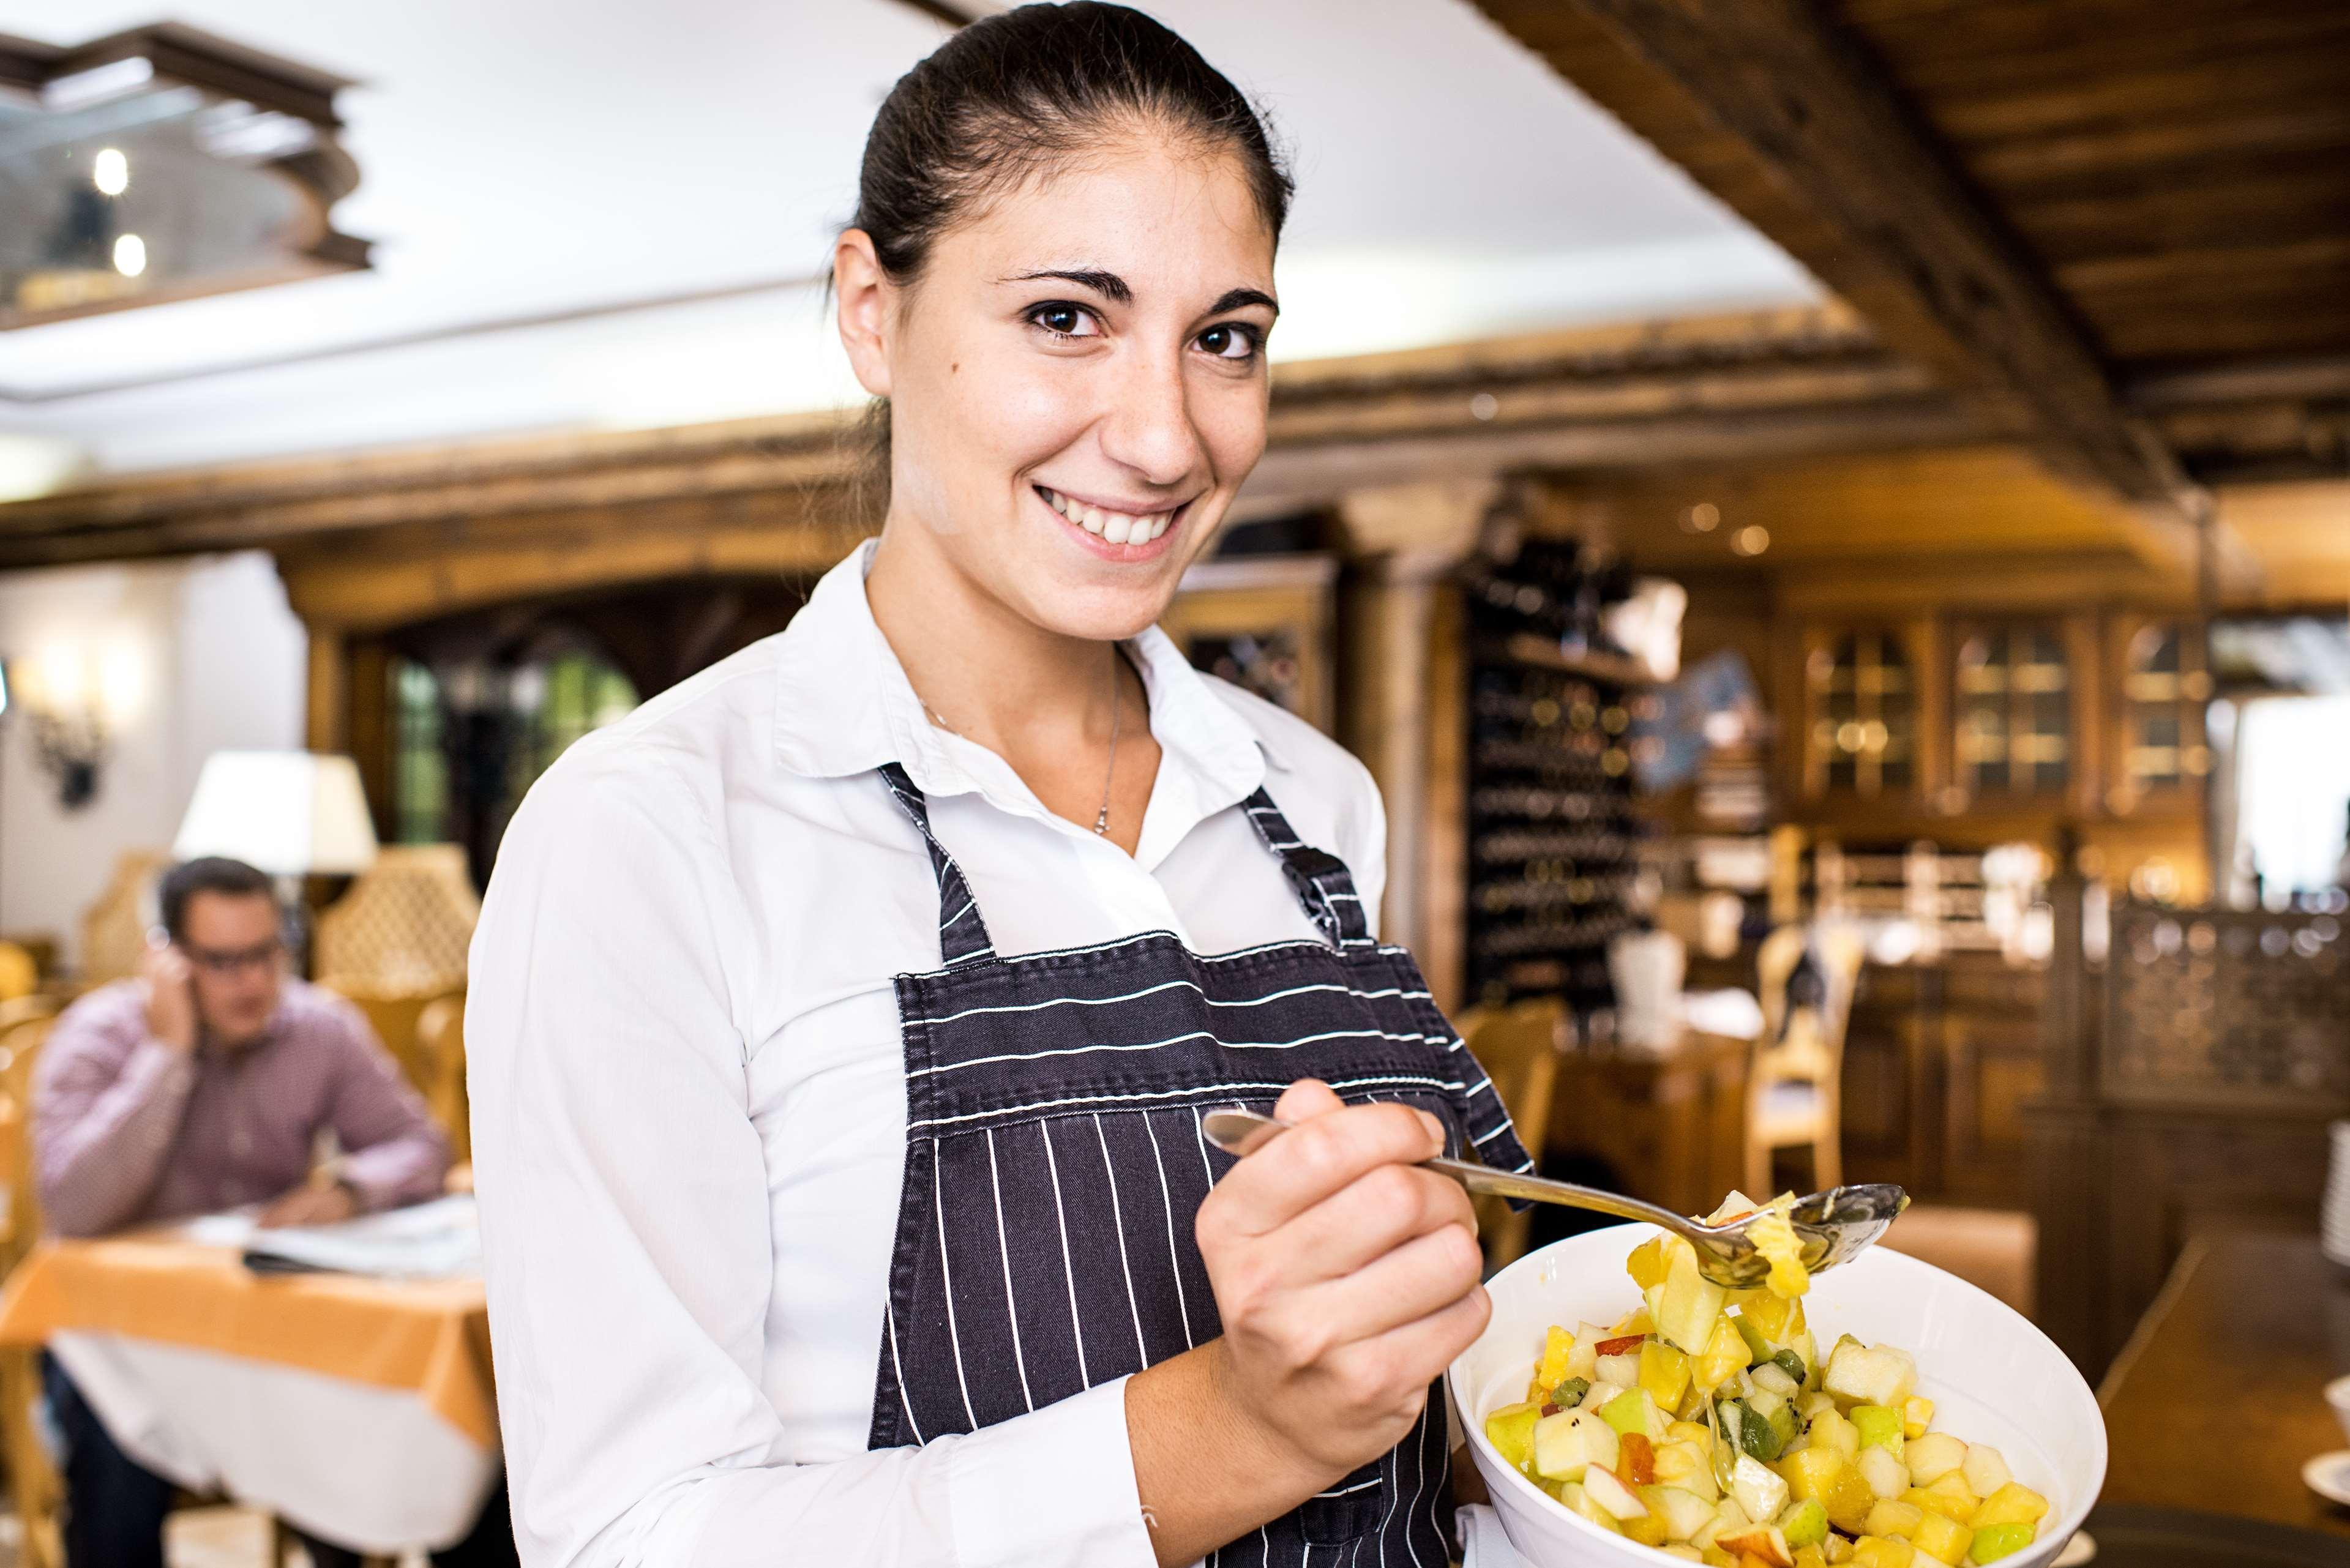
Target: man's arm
393	1151
107	1096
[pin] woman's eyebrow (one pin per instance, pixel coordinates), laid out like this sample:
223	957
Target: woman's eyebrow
1234	298
1110	286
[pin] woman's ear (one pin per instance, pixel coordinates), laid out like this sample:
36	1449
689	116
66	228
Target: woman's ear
863	295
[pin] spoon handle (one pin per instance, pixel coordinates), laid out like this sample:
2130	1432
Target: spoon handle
1237	1131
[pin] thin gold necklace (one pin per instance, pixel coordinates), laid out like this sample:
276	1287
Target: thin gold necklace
1109	776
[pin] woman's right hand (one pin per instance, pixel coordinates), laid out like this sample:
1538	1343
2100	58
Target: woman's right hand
1346	1278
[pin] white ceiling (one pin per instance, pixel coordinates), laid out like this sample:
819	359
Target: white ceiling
524	157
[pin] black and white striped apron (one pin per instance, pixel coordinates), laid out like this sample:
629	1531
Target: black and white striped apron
1054	1163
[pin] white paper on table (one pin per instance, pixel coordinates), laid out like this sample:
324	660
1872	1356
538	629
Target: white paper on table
436	1240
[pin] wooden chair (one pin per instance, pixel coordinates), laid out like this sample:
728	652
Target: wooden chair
397	1019
1518	1046
403	927
1794	1087
440	1037
34	1484
114	928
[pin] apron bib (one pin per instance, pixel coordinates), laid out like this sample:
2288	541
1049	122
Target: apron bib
1054	1162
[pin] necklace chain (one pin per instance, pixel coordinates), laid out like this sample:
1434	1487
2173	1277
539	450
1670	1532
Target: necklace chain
1109	774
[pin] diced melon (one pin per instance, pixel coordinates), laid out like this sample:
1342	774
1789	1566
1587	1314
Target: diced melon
1664	1372
1568	1443
1725	1354
2011	1504
1691	1305
1690	1432
1880	1552
1811	1472
1775	1316
1866	1376
1985	1471
1638	1321
1761	1490
1943	1540
1612	1494
1684	1512
1885	1476
1932	1457
1558	1345
1511	1431
1893	1517
1837	1549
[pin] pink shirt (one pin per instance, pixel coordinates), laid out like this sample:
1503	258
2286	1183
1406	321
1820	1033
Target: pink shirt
128	1130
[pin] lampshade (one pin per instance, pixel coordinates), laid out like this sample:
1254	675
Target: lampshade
290	813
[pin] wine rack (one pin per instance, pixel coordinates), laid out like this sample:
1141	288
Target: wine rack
1553	845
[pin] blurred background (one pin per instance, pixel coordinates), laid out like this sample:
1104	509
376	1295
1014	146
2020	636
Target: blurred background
1829	522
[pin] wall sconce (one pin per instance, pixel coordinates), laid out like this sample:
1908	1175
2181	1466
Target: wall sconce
76	699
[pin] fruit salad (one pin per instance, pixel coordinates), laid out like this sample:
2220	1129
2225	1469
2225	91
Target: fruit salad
1707	1424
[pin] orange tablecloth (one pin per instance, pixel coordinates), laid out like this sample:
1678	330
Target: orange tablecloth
430	1338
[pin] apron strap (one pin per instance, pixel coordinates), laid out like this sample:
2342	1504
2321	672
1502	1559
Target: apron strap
1325	888
963	935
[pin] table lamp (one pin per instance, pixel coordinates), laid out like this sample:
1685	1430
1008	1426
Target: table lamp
290	813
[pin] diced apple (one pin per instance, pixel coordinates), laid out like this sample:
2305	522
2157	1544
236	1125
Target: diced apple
1885	1476
1612	1494
1765	1541
1995	1542
1761	1490
1577	1499
1567	1444
1917	1416
1628	1411
1511	1431
1596	1397
1932	1457
1727	1516
1985	1471
1691	1305
1893	1517
1683	1512
1623	1371
1943	1540
1866	1376
2011	1504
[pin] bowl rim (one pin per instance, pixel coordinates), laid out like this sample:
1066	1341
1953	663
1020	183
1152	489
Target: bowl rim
1456	1381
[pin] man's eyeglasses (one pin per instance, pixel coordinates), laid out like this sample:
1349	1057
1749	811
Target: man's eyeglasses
228	965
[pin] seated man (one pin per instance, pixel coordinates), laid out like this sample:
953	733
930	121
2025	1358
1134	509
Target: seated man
203	1086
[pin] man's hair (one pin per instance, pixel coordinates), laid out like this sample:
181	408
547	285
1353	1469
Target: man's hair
207	874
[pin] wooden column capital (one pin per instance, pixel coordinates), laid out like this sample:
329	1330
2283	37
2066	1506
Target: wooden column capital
1421	531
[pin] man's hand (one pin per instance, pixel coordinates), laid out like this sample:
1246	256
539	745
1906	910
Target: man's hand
309	1205
170	997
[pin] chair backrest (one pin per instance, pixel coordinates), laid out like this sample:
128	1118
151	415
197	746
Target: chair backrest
403	927
1518	1047
1807	1041
397	1018
441	1036
114	928
20	972
20	1213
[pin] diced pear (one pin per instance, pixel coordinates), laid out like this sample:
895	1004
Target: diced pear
1623	1371
1759	1348
1628	1411
1880	1427
1943	1540
1808	1405
1893	1517
1831	1430
1511	1431
2011	1504
1684	1512
1917	1416
1761	1490
1932	1457
1804	1523
1566	1444
1885	1476
1613	1495
1866	1376
1764	1542
1691	1305
1985	1471
1595	1397
1995	1542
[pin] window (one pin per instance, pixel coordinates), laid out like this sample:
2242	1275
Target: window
419	763
2014	710
1864	714
2164	688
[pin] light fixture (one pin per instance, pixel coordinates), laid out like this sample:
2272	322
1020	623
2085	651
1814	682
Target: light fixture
129	254
111	172
289	813
1751	540
77	697
1701	518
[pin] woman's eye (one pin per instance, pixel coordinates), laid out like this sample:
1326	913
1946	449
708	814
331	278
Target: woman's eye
1230	341
1065	320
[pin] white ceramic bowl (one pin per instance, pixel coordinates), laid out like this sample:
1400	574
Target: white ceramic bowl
1992	1376
2337	1394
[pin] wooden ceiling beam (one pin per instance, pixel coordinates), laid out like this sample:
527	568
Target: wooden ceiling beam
1783	115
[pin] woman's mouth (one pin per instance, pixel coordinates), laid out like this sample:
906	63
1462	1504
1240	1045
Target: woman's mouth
1126	536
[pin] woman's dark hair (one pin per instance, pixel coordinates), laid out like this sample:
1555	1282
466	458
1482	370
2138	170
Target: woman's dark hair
207	874
1024	90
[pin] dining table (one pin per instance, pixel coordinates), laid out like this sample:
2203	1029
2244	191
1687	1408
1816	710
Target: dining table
357	1408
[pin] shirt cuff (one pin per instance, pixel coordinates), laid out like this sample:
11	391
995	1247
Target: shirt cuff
1056	1486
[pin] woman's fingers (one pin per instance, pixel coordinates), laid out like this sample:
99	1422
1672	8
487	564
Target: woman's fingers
1370	1217
1425	1276
1318	1157
1307	1099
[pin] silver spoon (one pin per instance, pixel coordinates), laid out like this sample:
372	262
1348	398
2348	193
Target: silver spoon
1831	1228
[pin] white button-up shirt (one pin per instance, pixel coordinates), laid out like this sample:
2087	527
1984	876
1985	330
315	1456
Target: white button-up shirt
689	1092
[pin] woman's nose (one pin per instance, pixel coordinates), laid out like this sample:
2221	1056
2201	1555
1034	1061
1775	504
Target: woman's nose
1148	429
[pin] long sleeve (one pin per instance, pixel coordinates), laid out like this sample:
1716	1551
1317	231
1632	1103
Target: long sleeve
107	1102
393	1152
626	1216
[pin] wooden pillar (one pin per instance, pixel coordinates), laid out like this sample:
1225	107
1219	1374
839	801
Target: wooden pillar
329	700
1403	543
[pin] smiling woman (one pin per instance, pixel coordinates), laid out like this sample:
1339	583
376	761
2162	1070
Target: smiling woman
842	1020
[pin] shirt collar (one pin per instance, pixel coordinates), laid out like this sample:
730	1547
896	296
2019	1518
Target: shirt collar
843	706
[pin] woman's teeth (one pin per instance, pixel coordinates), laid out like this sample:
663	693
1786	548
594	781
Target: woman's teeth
1115	527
